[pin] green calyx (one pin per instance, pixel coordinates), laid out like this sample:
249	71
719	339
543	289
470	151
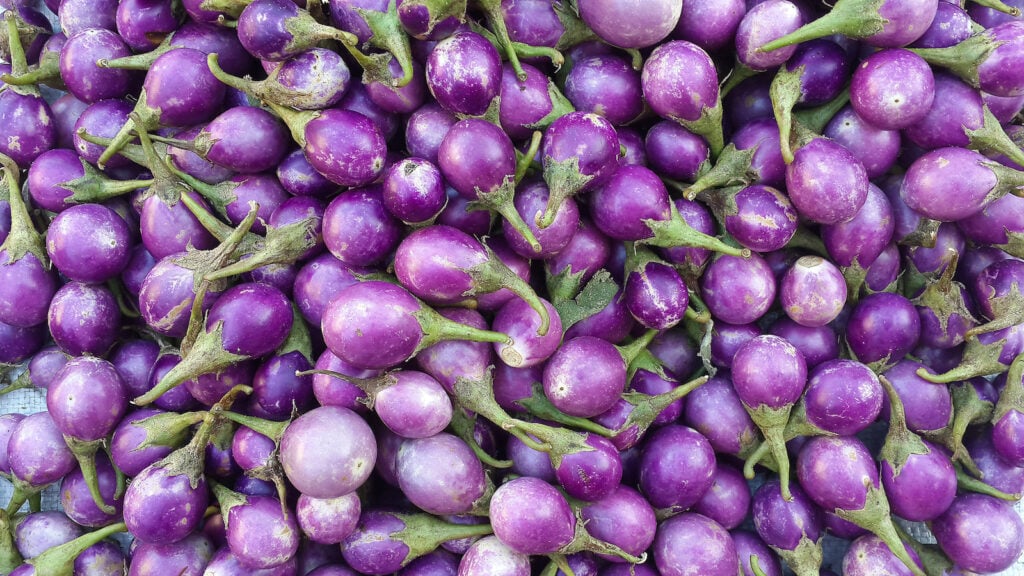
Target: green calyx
978	360
594	296
875	517
852	18
900	442
23	239
60	560
675	232
772	422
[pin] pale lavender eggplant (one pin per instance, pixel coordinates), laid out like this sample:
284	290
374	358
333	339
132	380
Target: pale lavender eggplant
440	474
543	528
328	521
813	291
333	391
341	466
103	559
40	531
261	532
413	404
623	518
693	98
226	563
886	24
869	555
383	541
949	184
490	556
524	348
445	266
631	24
36	452
738	290
187	557
364	337
585	376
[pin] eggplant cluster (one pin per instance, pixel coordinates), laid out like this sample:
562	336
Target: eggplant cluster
512	287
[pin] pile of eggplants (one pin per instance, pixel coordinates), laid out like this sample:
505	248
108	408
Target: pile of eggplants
512	287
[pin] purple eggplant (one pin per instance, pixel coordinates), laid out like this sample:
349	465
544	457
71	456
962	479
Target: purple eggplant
471	144
385	541
29	128
912	467
579	152
181	71
445	266
692	99
995	547
231	335
311	80
357	332
27	285
626	25
770	375
324	135
839	474
694	544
